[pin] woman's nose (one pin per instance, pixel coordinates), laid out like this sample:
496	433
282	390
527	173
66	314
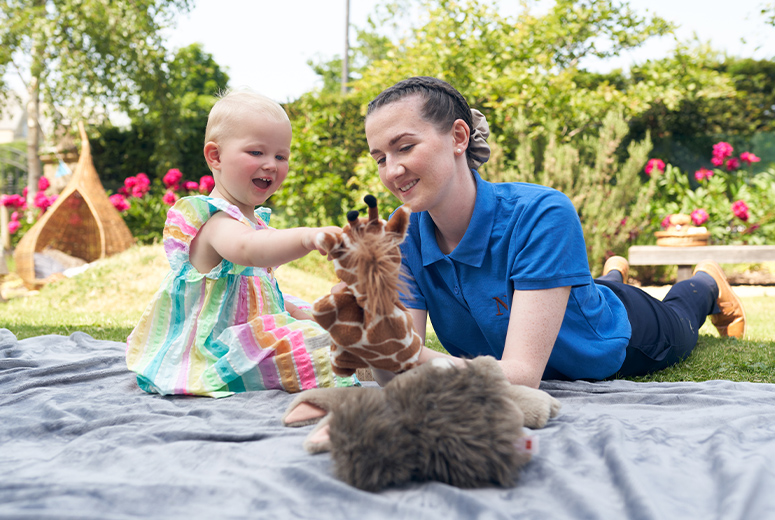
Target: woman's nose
394	168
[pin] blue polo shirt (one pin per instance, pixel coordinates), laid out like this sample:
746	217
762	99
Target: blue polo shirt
521	236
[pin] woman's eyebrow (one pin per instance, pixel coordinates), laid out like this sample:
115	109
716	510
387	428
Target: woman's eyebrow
391	142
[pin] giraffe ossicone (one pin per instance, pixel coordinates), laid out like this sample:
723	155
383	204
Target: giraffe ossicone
368	324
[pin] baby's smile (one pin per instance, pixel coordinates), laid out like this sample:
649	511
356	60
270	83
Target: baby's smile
262	183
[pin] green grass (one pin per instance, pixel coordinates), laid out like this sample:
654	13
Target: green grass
108	299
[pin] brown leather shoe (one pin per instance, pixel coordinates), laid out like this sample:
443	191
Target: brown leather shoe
731	320
617	263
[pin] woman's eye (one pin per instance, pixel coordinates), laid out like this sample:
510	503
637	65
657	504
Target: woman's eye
406	148
381	160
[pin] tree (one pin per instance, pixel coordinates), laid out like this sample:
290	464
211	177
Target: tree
500	64
168	124
80	56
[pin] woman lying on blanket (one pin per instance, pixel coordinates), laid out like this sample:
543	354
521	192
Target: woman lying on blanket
219	324
502	268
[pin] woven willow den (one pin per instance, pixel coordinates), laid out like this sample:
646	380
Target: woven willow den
82	223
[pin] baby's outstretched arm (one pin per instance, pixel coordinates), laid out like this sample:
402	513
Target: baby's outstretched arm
223	237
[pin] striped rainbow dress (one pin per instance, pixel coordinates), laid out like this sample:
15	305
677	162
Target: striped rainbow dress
225	331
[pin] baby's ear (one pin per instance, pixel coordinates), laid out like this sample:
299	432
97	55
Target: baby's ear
212	155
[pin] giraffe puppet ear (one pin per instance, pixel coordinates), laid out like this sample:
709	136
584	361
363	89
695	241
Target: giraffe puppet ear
399	222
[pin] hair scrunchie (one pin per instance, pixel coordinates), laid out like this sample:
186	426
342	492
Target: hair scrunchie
479	150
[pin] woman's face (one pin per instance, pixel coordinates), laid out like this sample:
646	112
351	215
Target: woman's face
415	161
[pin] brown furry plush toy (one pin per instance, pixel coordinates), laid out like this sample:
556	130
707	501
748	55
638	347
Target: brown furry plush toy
436	422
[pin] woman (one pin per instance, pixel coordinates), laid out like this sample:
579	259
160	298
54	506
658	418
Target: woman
502	268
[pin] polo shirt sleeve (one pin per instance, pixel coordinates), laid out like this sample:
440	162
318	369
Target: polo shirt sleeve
548	248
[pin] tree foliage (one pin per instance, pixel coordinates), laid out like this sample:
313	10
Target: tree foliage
80	56
168	124
500	64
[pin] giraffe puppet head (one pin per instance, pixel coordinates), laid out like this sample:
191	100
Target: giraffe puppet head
369	326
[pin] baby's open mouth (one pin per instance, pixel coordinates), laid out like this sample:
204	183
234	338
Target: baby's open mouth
262	183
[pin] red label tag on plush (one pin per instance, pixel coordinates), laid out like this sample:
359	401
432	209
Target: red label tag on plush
527	444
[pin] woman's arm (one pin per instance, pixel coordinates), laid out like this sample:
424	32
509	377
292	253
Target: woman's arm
534	322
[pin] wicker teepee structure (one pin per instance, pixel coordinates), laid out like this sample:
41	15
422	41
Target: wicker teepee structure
81	223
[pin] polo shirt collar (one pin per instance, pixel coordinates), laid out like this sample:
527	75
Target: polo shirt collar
473	247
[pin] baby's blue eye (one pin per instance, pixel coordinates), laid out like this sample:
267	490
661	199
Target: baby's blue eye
255	153
280	157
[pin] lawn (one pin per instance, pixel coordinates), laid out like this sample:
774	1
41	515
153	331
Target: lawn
107	300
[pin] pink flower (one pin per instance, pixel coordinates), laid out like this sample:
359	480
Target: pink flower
703	173
119	202
15	215
13	201
699	217
142	179
43	184
190	186
170	198
172	178
139	191
41	201
666	222
206	184
740	210
136	186
722	150
654	163
748	158
13	226
25	191
732	164
717	161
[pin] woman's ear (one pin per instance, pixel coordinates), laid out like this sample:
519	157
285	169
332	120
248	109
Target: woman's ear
213	155
460	134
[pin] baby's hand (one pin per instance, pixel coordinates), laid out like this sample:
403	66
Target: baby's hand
312	236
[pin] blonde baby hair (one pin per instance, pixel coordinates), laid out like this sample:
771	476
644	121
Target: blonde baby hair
234	104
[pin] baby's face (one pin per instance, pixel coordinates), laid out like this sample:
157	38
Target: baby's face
253	161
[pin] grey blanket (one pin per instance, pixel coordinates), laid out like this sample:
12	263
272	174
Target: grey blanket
78	439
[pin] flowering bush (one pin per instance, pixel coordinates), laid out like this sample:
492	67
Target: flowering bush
144	204
18	225
735	206
654	164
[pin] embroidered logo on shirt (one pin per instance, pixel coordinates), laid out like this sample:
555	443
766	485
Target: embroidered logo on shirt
499	303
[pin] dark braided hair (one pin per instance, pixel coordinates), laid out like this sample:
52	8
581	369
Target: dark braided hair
443	104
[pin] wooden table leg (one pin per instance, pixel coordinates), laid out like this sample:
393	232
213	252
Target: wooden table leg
684	272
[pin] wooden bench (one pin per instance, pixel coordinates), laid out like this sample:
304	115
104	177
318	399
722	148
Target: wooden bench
687	257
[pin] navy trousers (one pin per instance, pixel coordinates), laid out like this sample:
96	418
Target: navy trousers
663	332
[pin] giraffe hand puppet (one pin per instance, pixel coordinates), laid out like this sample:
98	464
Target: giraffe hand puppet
368	324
